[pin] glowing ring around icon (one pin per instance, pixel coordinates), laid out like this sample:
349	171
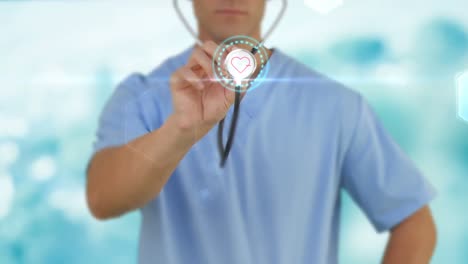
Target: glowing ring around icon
239	63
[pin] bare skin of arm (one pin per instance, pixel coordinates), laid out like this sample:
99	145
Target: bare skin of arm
121	179
413	240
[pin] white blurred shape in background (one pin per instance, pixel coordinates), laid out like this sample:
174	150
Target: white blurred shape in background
462	95
43	168
323	6
7	191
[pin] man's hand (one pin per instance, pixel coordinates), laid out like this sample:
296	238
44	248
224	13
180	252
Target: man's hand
199	101
413	240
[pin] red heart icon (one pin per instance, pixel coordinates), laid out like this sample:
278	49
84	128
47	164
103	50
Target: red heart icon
239	65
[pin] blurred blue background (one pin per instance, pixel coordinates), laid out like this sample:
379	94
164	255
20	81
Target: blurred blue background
60	61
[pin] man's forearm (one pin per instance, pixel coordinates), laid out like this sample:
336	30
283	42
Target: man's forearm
125	178
413	240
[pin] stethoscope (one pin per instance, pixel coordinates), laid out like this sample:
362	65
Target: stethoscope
224	151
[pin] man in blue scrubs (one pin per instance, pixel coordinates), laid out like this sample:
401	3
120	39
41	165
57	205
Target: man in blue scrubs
277	200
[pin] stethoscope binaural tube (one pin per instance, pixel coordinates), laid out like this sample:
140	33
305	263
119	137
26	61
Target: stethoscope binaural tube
224	151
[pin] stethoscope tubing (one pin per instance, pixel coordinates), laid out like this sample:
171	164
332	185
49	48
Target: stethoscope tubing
224	151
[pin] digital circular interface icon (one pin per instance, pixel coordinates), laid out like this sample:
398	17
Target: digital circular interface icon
240	64
235	66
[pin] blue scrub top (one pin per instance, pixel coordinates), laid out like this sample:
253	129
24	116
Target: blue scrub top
301	138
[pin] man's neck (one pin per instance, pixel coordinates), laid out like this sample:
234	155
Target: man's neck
203	36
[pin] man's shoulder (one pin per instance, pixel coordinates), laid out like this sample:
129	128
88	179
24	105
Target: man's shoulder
311	83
